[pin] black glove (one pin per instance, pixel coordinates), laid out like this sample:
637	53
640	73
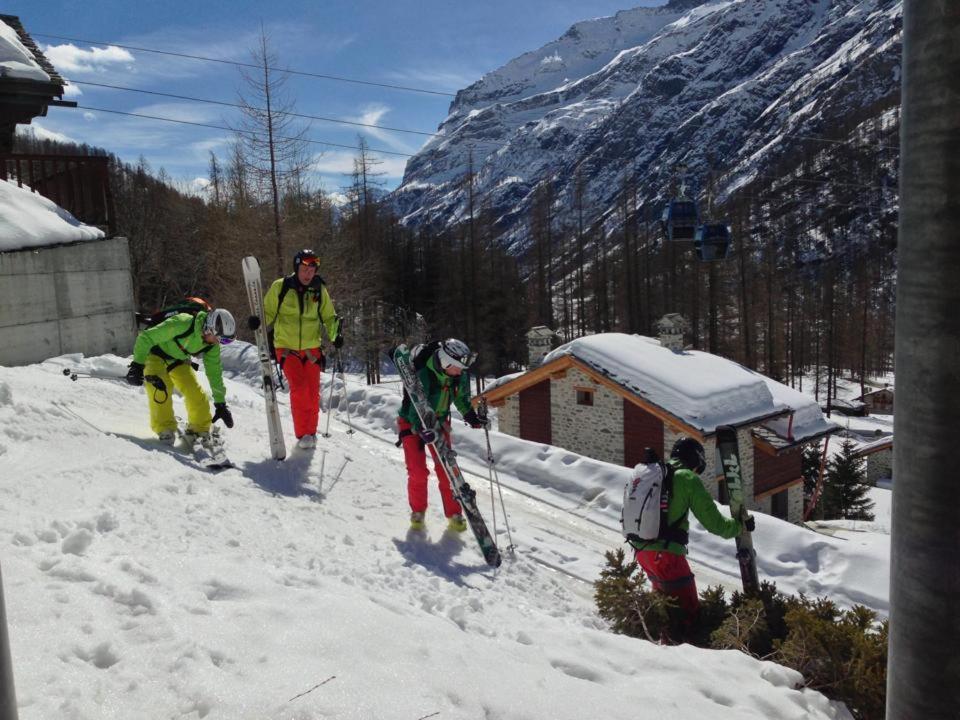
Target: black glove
750	524
135	374
223	413
338	341
253	322
474	420
428	436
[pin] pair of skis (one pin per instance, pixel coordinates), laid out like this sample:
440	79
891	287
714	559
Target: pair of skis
252	281
464	494
730	460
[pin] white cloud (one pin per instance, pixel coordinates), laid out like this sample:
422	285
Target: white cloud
374	114
89	116
340	162
71	59
70	90
41	133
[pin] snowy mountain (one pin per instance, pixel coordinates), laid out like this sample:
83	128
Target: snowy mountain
138	586
732	84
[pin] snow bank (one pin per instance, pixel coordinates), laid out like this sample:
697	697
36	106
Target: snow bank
27	219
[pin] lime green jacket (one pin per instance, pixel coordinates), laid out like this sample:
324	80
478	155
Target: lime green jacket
165	338
689	494
296	323
441	389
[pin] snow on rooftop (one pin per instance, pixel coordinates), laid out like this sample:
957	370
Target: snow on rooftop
808	419
16	60
27	219
701	389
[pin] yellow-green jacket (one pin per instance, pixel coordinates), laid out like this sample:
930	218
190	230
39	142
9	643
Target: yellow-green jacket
296	322
178	338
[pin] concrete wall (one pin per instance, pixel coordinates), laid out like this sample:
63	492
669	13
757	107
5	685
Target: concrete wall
66	299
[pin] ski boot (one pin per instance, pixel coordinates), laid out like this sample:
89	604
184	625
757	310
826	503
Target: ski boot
457	523
416	521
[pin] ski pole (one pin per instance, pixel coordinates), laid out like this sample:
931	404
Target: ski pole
346	401
323	461
492	472
333	380
93	375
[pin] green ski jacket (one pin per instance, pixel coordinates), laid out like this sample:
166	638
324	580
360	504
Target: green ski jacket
164	340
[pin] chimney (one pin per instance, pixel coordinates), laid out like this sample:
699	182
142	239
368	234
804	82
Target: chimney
671	328
539	343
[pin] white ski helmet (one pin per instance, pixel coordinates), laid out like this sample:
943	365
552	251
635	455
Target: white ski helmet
221	323
453	352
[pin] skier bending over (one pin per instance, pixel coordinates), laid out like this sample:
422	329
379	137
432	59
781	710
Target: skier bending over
164	350
665	561
296	318
442	368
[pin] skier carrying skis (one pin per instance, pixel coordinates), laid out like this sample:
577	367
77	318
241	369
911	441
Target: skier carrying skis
165	350
297	305
664	561
442	368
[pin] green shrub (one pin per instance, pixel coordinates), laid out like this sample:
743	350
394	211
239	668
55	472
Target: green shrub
841	653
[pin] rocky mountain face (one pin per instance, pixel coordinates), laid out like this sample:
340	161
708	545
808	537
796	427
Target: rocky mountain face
734	86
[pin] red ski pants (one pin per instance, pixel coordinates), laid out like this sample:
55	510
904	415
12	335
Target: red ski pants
415	456
670	574
302	370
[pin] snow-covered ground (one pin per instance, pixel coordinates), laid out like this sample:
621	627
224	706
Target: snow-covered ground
138	586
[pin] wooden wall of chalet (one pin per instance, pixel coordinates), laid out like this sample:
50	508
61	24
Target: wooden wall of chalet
535	413
773	471
640	430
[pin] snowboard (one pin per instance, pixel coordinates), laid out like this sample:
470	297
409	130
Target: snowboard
251	278
462	491
730	460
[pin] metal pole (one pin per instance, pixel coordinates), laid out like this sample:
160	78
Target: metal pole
8	697
923	679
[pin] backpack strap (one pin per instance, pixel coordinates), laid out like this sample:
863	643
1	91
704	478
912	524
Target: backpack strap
670	532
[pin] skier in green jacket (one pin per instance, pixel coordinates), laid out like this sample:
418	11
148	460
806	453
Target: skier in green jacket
442	368
165	351
665	561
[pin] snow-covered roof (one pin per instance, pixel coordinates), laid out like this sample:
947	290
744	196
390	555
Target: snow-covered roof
884	443
702	390
16	60
29	220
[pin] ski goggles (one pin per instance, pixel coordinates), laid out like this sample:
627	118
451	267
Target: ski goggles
310	261
225	340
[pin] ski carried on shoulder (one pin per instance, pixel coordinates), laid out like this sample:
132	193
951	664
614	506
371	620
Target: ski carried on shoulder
730	459
464	494
251	278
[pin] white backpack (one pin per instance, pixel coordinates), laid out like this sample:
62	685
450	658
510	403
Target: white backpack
645	501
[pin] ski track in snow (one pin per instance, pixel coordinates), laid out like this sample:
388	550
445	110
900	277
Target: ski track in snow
139	586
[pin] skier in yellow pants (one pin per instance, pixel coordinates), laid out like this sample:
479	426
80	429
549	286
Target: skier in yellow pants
164	351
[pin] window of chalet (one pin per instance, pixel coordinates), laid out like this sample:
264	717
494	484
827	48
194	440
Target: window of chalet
584	396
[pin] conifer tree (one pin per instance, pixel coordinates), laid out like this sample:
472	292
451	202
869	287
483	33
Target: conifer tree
845	486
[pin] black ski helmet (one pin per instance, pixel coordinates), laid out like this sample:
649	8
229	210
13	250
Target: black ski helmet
690	454
305	256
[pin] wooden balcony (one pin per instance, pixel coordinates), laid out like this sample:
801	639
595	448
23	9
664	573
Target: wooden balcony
79	184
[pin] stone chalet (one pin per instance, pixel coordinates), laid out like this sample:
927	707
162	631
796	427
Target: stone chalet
609	396
879	457
878	401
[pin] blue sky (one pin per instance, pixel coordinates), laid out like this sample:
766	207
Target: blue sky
434	44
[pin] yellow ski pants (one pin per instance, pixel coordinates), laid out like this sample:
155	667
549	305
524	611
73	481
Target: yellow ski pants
161	402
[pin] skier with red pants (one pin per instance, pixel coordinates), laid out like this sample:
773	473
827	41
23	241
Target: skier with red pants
665	561
297	306
442	368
